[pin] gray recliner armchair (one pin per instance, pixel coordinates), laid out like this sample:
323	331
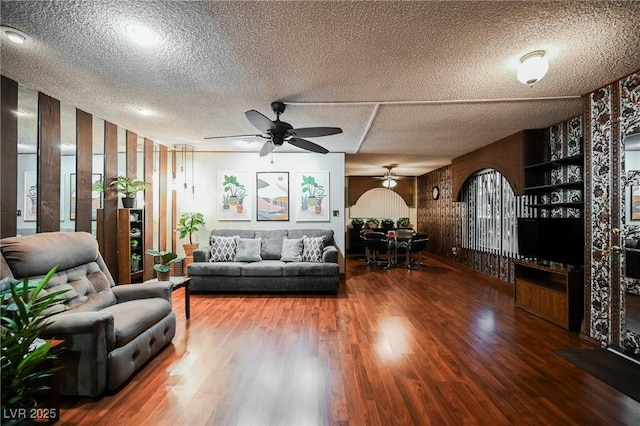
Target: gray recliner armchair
109	331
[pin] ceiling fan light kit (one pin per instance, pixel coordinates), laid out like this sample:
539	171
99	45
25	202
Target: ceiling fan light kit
533	66
278	132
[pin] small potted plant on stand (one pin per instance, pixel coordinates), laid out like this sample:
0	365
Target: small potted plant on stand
372	222
163	267
187	225
387	224
357	223
404	222
128	187
135	262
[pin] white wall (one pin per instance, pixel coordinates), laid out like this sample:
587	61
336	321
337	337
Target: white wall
207	165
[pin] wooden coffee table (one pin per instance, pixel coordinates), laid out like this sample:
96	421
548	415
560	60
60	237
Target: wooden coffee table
180	282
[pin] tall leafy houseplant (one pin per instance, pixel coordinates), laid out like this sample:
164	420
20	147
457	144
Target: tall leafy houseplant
128	188
311	189
187	225
25	355
234	188
166	259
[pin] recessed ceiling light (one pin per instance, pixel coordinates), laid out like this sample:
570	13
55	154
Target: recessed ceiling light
140	34
16	36
144	111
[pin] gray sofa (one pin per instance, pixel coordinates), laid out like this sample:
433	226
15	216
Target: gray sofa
109	331
269	273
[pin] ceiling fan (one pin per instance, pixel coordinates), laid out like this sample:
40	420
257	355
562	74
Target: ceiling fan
389	179
278	132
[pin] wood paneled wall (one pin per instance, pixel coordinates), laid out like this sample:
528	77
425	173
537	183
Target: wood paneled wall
49	162
84	166
358	185
148	203
164	186
110	210
9	160
131	159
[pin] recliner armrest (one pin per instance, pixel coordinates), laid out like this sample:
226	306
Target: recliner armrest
330	254
125	293
97	323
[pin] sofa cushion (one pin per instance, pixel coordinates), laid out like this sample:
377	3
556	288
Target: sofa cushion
312	248
134	317
248	249
303	269
266	268
224	269
242	233
327	233
271	243
292	250
223	249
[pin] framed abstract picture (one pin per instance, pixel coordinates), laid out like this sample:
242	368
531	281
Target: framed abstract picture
234	200
635	202
312	197
272	196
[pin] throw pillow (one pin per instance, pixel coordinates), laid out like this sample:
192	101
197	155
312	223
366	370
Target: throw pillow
248	249
292	250
312	248
223	249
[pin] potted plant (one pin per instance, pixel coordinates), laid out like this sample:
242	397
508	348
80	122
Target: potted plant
134	243
311	188
25	356
187	225
135	262
225	202
239	206
234	188
163	266
404	222
387	223
357	223
33	196
372	222
135	232
304	203
128	187
318	207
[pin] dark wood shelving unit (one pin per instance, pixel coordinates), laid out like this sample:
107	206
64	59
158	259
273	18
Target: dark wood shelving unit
130	227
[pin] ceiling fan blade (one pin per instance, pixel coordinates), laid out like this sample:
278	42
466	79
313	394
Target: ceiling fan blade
233	136
260	121
308	145
267	148
315	132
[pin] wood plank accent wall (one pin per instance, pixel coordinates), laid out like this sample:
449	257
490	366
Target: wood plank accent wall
506	156
9	161
131	155
164	186
110	211
49	164
148	204
358	185
84	170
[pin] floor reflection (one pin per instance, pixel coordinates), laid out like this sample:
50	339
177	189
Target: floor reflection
632	306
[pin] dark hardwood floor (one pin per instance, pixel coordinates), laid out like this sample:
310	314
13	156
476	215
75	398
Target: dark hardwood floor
396	347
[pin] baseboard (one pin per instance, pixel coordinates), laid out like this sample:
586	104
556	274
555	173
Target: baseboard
501	285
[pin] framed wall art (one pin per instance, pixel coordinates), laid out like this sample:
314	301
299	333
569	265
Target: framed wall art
635	202
234	201
312	197
272	196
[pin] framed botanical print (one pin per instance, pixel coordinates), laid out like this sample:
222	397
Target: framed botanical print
312	197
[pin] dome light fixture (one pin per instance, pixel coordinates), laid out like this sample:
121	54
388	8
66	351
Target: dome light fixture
533	66
144	111
16	36
140	34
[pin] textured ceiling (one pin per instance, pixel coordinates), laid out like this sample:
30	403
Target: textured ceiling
413	83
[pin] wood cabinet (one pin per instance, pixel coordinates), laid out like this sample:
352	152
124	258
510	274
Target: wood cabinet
555	293
130	246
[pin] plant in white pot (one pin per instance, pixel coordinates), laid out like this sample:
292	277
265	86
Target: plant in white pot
189	223
165	260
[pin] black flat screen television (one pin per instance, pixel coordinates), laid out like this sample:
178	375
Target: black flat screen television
558	240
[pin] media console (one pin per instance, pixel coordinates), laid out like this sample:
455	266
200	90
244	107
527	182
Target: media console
554	292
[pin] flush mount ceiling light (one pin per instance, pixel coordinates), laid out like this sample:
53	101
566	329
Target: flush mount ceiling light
140	34
144	111
533	67
15	36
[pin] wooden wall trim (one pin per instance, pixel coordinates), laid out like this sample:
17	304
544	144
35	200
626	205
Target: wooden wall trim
49	164
148	205
132	155
506	156
9	158
110	223
358	185
84	170
164	186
